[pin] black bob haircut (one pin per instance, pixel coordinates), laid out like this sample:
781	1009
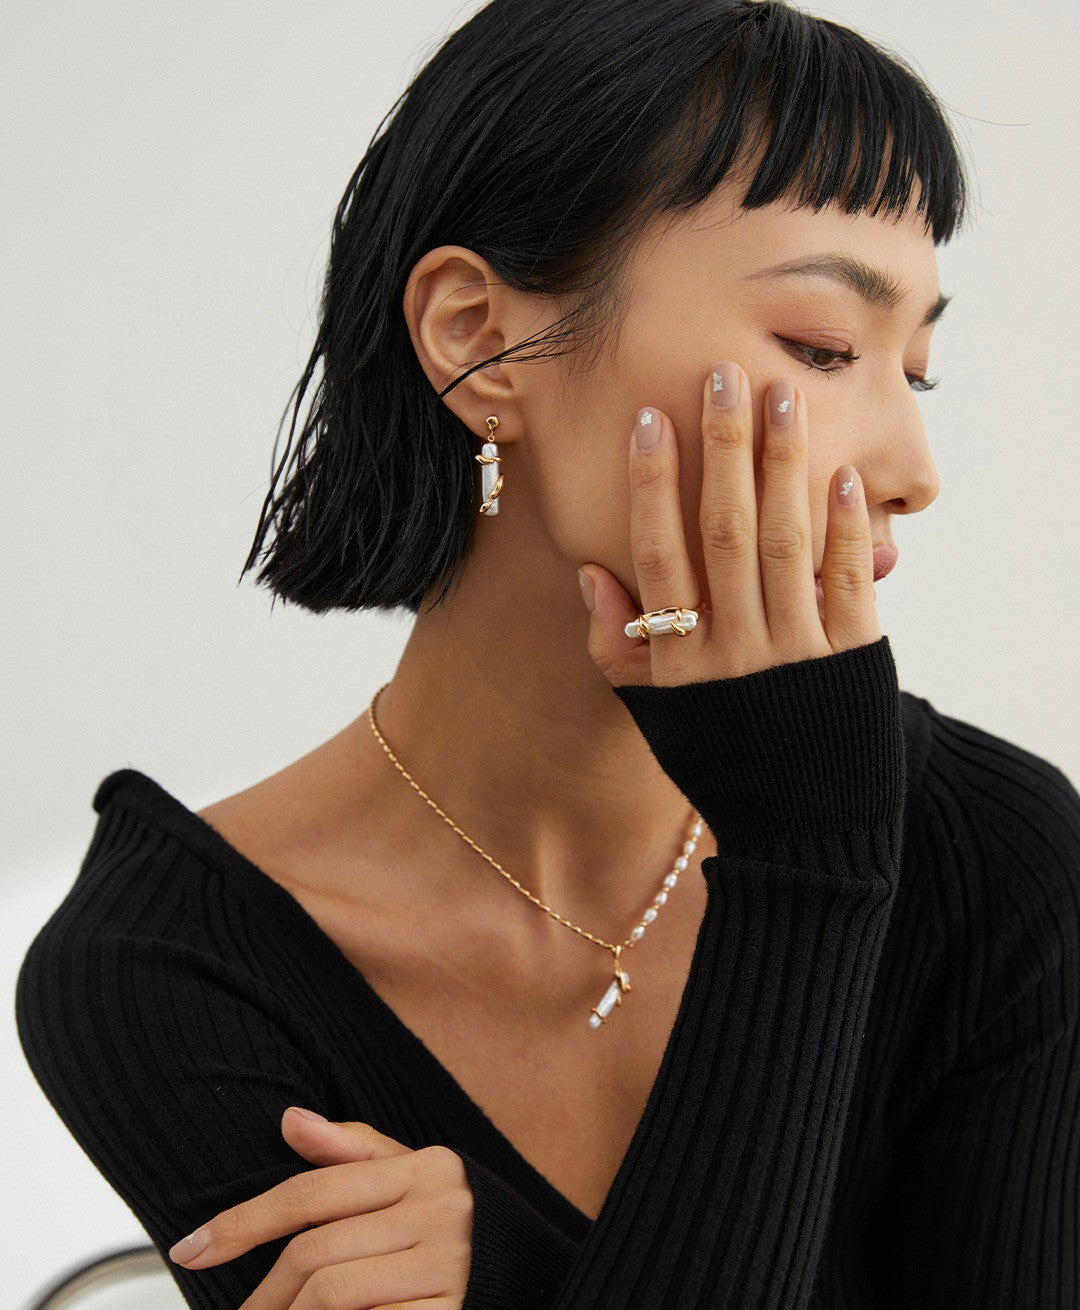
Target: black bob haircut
544	135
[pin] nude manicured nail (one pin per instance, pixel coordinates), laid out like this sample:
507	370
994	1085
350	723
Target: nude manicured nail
588	590
308	1114
648	428
725	384
191	1246
847	488
781	402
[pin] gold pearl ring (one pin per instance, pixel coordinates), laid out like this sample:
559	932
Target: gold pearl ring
675	618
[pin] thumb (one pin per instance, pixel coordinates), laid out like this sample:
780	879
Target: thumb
326	1141
621	659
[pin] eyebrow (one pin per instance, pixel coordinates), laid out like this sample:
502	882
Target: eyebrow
875	285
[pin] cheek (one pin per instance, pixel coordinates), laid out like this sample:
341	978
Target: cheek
578	479
580	482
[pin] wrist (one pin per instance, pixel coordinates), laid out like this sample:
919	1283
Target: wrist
786	753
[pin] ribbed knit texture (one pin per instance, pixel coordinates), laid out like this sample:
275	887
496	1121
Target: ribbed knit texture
870	1097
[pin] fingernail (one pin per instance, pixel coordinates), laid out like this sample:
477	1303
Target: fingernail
725	384
782	402
191	1246
847	485
309	1114
588	590
648	428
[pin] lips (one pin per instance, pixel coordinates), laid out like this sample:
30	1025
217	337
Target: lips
885	557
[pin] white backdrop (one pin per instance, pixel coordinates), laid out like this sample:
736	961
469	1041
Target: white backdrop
169	182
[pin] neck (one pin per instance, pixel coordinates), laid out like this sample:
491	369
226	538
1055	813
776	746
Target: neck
511	729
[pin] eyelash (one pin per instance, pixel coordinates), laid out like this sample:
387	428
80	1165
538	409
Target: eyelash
805	352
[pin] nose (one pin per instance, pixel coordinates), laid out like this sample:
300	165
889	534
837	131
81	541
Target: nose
898	470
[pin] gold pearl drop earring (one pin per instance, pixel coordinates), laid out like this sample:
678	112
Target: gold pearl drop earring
492	478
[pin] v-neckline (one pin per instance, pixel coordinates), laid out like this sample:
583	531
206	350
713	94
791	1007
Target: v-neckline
481	1136
278	905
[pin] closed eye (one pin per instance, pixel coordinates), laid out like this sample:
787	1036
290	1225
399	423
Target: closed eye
822	360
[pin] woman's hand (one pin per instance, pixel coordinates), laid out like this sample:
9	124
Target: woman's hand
378	1225
762	605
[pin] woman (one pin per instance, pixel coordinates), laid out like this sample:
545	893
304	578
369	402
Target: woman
640	289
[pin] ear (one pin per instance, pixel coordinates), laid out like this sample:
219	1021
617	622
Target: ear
458	311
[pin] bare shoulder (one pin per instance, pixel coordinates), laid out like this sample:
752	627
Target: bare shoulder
265	817
308	824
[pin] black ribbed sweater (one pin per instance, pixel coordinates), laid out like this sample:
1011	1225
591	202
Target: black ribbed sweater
870	1096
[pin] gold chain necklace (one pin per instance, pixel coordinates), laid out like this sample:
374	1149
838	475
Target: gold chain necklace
621	982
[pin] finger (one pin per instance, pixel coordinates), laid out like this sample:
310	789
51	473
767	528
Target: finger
785	538
847	567
328	1141
363	1284
665	576
356	1238
426	1303
315	1196
610	610
728	519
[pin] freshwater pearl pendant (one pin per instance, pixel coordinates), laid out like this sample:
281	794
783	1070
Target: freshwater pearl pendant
620	984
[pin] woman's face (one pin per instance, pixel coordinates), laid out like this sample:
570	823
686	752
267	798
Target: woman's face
703	289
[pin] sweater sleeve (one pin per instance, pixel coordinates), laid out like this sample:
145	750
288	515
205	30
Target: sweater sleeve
985	1195
723	1197
172	1069
169	1068
519	1259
